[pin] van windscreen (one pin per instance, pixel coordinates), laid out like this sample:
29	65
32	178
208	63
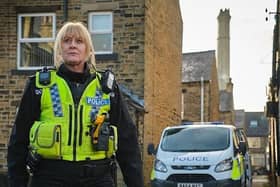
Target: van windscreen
195	139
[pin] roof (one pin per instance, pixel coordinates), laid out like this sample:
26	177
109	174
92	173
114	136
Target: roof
135	100
196	65
226	101
201	124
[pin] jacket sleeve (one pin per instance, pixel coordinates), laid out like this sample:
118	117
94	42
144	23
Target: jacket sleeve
128	154
27	112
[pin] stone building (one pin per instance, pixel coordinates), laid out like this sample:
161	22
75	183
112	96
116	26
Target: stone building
207	89
257	130
141	41
200	93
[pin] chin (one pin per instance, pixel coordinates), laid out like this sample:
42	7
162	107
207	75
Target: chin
73	63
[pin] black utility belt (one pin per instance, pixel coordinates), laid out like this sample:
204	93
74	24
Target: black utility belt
90	168
63	163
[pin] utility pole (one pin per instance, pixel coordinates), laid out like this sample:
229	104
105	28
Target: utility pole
277	79
273	102
275	82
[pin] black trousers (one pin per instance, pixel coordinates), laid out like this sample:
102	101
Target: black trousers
57	173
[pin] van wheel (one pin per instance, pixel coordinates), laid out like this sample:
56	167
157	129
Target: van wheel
239	183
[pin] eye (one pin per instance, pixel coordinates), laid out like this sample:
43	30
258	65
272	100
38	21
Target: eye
80	41
67	40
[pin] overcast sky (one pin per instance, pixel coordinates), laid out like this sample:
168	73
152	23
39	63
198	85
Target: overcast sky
250	43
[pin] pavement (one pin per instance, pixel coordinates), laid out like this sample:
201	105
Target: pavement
261	181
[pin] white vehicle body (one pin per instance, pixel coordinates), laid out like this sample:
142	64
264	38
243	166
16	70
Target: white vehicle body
199	155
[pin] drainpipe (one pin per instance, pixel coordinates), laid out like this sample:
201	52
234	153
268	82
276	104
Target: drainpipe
201	99
65	11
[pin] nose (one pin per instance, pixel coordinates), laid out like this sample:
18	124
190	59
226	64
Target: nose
73	43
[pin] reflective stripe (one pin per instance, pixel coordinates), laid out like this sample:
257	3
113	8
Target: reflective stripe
241	164
57	109
95	108
235	175
152	174
70	125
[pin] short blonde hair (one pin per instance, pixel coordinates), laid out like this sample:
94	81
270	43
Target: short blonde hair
76	29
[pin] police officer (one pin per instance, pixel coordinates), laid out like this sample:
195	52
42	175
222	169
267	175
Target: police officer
72	122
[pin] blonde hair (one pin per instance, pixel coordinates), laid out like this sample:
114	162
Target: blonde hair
76	29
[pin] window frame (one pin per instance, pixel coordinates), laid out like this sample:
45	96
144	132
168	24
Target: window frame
90	17
21	40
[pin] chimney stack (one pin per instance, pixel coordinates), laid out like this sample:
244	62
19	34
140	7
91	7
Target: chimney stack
223	49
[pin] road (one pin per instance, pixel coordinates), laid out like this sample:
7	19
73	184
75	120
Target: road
260	181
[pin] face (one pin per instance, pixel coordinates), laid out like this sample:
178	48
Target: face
74	53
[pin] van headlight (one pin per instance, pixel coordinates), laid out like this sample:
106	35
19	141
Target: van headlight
224	165
160	166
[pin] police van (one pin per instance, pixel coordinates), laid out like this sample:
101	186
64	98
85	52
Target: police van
198	155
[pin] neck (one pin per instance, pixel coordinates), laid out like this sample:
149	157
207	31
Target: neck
73	76
78	68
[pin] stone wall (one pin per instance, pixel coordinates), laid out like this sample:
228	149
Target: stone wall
147	59
163	61
192	101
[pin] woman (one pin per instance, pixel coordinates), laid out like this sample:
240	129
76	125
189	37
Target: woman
64	115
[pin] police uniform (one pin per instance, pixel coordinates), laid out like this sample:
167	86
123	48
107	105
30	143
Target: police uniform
55	120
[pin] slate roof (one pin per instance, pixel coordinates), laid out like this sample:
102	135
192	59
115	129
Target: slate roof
196	65
137	102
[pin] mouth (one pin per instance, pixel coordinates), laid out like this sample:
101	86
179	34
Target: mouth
72	53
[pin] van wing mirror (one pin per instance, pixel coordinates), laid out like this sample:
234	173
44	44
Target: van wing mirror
151	149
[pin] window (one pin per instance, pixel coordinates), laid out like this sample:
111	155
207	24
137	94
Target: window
36	35
101	29
253	124
235	141
196	139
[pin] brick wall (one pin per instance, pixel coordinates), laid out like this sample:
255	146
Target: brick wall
128	44
163	59
227	117
12	82
147	47
192	101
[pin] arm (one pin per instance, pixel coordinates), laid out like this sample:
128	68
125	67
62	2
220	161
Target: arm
27	112
128	154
